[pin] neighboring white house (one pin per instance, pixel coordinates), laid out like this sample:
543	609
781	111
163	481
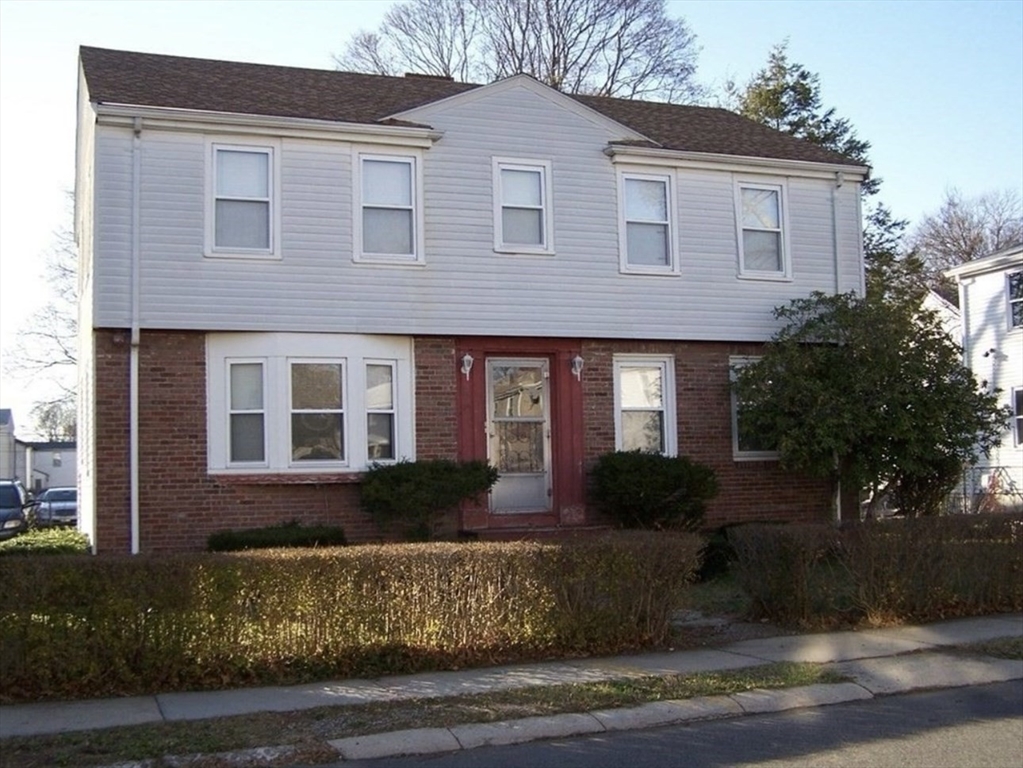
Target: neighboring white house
52	464
13	455
991	305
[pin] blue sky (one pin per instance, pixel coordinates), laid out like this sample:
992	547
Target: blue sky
936	87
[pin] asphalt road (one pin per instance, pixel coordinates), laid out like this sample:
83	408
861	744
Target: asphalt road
972	727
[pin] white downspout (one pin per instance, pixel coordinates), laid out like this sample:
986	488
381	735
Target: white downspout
839	181
133	417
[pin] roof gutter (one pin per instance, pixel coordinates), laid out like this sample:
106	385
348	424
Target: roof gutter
714	160
172	118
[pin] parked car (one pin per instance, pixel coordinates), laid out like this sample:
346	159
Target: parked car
57	506
14	503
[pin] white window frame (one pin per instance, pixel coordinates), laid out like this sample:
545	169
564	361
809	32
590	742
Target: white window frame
343	410
781	188
737	454
229	412
277	352
415	161
544	168
393	411
668	407
668	179
1017	416
1009	301
272	151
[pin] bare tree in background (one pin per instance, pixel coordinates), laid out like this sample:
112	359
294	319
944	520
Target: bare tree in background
964	229
46	350
621	48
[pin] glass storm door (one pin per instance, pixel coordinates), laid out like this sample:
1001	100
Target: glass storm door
519	432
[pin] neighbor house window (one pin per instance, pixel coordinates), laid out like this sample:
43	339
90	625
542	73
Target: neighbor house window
306	402
242	181
1015	287
746	443
1017	414
646	231
523	220
762	243
388	210
645	404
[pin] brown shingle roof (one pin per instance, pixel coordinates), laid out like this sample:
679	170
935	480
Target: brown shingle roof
145	79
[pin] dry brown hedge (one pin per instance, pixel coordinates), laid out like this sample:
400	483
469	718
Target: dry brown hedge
81	626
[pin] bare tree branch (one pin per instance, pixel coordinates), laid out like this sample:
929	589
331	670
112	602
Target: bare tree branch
623	48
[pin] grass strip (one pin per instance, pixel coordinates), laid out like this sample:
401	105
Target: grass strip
308	729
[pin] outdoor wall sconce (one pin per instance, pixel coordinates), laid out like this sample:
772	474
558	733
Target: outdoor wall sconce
467	362
577	367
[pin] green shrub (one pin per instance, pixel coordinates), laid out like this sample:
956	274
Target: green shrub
46	541
86	626
290	534
651	491
413	495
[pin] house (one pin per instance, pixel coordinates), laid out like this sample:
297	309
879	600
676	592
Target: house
991	304
51	464
291	274
13	455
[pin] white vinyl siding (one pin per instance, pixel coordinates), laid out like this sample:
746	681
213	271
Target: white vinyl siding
389	209
280	402
762	234
241	208
646	229
322	285
644	398
523	217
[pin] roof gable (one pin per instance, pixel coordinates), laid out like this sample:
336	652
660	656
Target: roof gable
531	84
155	80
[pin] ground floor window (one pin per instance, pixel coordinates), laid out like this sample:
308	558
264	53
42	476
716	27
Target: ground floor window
645	404
747	445
284	402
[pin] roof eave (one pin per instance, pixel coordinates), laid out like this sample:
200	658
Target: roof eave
656	156
176	118
1006	258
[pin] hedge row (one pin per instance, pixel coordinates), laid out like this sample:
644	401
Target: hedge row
74	626
921	569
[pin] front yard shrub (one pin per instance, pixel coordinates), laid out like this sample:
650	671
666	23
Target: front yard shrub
86	626
412	495
651	491
878	572
46	541
290	534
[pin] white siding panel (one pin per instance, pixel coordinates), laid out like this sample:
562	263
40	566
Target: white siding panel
112	244
465	286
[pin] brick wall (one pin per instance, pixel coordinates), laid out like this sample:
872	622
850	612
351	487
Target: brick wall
749	490
180	503
436	371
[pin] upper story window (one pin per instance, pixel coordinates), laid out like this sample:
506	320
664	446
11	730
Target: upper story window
388	209
763	251
523	216
747	445
282	402
645	404
1015	288
646	224
241	209
1017	414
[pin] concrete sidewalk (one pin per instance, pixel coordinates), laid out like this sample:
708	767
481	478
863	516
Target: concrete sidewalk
874	659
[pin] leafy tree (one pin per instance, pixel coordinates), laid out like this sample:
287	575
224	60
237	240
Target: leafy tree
893	272
786	96
622	48
869	392
963	229
46	349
